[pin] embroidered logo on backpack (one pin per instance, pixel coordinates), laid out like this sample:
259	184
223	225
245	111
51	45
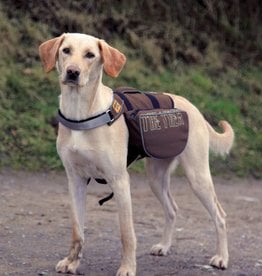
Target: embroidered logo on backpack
153	121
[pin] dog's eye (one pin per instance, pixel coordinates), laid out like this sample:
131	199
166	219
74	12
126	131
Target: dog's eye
66	51
89	55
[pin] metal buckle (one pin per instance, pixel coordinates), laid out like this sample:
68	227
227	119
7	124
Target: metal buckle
109	113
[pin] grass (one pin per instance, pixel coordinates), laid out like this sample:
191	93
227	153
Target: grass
29	100
232	95
29	97
28	103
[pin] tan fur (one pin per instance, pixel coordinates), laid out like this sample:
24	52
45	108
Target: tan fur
101	152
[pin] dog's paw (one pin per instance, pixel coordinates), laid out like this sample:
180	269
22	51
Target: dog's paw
159	250
67	266
219	262
126	271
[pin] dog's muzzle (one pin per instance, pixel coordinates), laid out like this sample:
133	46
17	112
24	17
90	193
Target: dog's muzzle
72	75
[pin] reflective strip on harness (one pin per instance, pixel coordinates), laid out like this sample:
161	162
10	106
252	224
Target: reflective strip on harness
107	117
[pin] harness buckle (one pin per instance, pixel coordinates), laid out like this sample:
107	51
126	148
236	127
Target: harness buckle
111	116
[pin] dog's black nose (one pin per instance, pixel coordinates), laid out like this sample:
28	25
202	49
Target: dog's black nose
72	73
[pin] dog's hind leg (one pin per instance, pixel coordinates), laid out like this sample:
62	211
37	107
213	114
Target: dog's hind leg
77	190
196	165
159	180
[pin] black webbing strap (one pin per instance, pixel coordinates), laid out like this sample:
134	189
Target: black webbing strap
103	200
101	181
153	100
125	99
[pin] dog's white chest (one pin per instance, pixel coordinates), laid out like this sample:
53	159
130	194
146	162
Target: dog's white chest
77	141
75	148
86	160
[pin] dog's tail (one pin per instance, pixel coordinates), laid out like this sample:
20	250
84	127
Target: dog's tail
221	143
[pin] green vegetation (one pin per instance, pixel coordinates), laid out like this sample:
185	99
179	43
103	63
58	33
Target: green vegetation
211	60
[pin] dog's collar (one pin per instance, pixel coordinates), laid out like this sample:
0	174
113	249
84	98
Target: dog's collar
108	117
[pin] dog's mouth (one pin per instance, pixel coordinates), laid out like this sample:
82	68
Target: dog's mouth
70	82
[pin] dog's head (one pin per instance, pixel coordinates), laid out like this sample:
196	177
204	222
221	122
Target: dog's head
79	58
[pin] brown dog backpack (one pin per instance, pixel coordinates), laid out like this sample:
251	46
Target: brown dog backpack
156	128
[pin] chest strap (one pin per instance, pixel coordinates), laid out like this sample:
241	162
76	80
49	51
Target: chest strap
108	117
101	181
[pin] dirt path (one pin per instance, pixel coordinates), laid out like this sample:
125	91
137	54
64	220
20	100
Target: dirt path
35	227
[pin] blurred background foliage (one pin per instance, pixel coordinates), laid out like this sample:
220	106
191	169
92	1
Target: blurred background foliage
206	50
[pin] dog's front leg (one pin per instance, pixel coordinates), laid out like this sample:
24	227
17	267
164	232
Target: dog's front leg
121	189
77	190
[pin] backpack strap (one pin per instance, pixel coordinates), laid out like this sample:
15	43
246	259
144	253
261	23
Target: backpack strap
128	104
153	99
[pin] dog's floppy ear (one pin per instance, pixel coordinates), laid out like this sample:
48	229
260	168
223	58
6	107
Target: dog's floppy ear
48	52
113	59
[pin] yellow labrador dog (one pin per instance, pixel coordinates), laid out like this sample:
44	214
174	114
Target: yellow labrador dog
102	152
